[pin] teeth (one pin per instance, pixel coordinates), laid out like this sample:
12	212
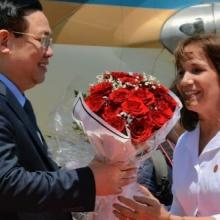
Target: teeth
189	93
43	64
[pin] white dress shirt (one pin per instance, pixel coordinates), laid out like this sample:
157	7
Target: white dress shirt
196	178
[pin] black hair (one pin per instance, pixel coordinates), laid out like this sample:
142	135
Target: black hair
12	13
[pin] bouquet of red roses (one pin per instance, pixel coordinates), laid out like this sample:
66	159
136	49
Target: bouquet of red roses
136	105
130	106
125	115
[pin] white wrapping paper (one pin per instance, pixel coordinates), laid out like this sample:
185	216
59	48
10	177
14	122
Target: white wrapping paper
112	146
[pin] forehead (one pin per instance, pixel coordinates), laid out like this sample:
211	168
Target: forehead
37	23
194	53
195	57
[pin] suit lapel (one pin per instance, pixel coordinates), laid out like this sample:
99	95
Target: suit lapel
21	114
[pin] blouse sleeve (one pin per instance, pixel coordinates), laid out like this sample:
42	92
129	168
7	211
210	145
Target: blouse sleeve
176	208
217	217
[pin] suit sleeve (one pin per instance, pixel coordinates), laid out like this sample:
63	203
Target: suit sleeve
24	190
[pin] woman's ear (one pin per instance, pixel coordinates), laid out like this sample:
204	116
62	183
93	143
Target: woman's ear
4	38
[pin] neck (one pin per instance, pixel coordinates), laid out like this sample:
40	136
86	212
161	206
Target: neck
208	129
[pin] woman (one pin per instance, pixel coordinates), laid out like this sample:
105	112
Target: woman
196	169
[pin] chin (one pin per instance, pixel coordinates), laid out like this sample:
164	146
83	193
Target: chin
40	77
39	80
193	107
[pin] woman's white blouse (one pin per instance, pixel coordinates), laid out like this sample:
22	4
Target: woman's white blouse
196	178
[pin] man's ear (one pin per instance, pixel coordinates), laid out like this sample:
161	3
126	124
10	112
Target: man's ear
4	38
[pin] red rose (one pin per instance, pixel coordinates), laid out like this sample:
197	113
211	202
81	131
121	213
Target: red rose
161	89
110	111
171	102
157	119
163	107
128	101
95	102
134	106
124	77
140	130
119	95
118	75
138	76
129	80
102	89
116	122
145	95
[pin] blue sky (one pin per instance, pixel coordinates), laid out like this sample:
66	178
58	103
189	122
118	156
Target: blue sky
163	4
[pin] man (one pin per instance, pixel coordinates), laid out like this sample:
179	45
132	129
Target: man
31	185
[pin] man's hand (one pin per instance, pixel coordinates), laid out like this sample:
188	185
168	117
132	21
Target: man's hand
110	178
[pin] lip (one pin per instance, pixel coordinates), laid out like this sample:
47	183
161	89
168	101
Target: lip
189	94
43	65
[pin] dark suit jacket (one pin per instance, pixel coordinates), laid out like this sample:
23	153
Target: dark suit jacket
31	185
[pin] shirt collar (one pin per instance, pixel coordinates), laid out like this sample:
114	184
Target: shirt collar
14	89
193	142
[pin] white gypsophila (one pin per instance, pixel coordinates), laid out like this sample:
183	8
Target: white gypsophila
136	87
117	84
129	119
124	86
146	83
99	78
110	79
154	87
149	79
129	84
126	116
123	114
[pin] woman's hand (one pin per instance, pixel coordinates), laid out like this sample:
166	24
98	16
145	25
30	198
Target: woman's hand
145	207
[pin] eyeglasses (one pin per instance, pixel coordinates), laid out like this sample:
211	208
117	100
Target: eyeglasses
45	40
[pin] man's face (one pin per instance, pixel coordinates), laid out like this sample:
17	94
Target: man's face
28	56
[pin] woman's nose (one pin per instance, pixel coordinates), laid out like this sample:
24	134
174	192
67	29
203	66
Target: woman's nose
187	78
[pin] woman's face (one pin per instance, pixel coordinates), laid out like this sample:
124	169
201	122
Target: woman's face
198	81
